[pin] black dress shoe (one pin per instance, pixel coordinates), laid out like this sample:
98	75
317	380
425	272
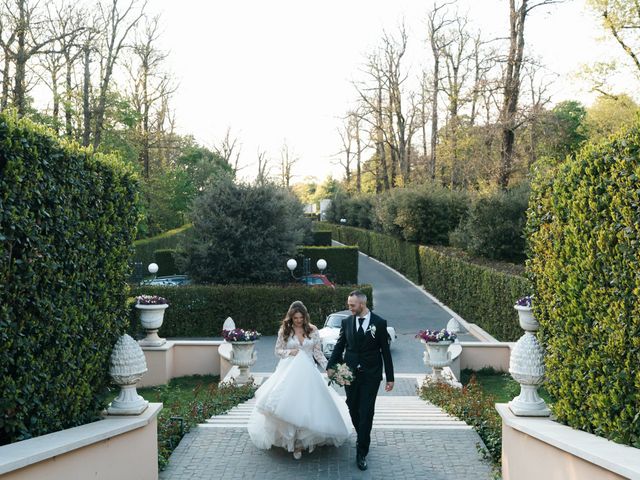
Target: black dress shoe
361	461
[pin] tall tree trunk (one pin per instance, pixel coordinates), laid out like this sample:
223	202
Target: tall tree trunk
511	90
86	101
68	88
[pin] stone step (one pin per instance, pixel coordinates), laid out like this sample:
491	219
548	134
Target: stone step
391	413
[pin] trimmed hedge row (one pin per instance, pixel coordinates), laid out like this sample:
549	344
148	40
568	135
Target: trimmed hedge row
322	238
67	223
584	229
480	294
398	254
342	262
200	310
145	249
165	258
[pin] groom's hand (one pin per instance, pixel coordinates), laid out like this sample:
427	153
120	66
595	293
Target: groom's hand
388	387
330	372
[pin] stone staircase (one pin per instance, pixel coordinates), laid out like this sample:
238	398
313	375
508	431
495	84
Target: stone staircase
392	412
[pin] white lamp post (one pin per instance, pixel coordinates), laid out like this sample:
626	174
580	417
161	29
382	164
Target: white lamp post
291	265
321	264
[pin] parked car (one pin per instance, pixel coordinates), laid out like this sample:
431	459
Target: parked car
168	281
317	280
331	330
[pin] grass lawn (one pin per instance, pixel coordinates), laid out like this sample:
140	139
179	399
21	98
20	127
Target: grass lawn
499	385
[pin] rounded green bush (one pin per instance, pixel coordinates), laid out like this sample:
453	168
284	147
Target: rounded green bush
584	232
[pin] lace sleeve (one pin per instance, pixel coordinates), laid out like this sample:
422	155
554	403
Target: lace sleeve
281	346
317	349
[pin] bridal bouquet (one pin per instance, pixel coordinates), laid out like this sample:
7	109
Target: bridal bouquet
342	375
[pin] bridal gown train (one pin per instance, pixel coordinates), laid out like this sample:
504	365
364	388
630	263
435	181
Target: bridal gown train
294	407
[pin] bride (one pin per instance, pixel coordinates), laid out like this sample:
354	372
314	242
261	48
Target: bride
295	409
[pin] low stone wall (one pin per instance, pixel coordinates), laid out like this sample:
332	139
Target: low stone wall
479	355
116	447
535	448
178	358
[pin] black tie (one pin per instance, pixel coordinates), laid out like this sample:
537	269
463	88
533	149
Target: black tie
360	329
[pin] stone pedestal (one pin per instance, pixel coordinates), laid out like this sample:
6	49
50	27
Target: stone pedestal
526	366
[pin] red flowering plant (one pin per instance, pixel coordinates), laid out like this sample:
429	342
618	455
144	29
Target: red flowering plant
433	336
240	335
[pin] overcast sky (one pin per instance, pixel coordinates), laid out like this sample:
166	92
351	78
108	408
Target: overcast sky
282	70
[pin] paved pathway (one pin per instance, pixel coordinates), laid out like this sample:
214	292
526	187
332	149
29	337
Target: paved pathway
411	439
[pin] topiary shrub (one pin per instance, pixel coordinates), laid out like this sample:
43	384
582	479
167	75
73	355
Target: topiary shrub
243	233
67	223
584	232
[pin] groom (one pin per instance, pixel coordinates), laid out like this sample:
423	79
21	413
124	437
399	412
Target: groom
365	342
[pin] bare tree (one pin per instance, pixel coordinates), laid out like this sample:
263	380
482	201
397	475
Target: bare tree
65	22
152	86
26	26
436	22
287	160
518	11
117	25
263	168
229	149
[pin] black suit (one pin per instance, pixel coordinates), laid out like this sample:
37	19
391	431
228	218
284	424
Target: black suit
367	352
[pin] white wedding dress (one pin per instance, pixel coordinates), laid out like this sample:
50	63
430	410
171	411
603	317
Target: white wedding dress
294	407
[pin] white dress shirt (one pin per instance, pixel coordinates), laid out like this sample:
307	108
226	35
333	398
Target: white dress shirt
365	323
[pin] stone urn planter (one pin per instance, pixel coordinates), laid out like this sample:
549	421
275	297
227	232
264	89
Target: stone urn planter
151	318
127	365
243	354
437	355
526	365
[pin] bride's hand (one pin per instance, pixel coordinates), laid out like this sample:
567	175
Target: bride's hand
293	352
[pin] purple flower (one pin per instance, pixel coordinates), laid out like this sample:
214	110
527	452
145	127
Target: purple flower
431	336
524	301
151	300
240	335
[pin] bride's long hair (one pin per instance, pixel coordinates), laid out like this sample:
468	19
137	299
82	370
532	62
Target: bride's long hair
287	322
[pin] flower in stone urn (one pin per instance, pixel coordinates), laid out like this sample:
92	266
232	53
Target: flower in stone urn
436	336
240	335
151	300
151	308
524	306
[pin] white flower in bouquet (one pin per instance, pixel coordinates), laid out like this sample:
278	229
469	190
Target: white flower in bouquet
342	375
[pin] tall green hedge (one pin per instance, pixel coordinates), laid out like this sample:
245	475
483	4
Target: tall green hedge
165	258
200	311
342	262
479	293
145	249
584	230
67	222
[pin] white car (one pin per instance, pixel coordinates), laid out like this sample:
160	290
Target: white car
331	330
